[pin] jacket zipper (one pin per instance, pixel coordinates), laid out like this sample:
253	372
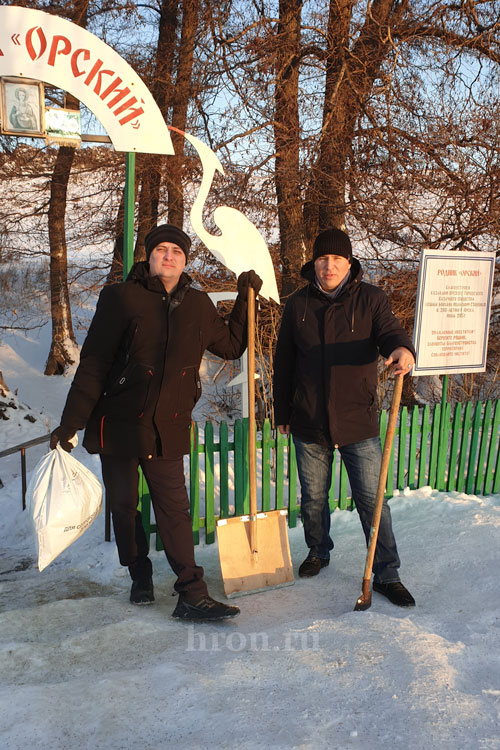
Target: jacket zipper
150	373
102	431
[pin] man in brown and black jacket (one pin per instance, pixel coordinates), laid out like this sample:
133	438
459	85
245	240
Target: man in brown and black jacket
325	394
134	391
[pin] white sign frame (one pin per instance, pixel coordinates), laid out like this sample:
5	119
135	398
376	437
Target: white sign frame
453	311
44	47
33	105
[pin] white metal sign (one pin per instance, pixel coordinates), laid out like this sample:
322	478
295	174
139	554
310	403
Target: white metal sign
37	45
453	311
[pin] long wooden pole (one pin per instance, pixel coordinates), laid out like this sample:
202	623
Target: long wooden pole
365	600
252	459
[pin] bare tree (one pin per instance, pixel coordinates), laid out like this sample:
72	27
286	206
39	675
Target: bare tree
171	84
63	338
287	142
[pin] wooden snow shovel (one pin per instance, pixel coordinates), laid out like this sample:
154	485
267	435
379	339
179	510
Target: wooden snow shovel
365	600
253	550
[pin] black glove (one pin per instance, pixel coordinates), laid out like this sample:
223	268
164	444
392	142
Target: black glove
62	435
247	279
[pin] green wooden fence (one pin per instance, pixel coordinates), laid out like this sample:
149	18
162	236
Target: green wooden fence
466	460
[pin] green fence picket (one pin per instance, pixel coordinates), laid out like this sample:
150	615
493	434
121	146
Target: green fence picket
332	492
224	470
496	481
194	482
424	442
442	454
209	483
493	447
266	465
383	426
145	506
435	430
292	484
389	485
281	443
412	450
472	462
483	447
455	441
343	485
403	435
464	443
239	478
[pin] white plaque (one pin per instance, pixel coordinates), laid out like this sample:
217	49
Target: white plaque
453	311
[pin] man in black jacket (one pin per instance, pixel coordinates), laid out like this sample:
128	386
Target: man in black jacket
325	394
134	391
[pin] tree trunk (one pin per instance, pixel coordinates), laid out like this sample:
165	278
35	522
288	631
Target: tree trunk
181	96
60	355
147	213
61	352
351	69
286	135
115	274
325	199
3	386
149	167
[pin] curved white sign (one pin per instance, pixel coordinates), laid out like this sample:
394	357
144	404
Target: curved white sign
37	45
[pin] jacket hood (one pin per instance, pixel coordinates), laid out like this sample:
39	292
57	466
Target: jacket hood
140	274
356	273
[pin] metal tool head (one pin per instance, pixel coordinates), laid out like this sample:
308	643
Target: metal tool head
363	602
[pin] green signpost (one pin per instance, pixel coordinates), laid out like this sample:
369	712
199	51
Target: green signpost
128	228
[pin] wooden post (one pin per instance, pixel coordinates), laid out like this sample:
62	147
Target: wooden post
252	462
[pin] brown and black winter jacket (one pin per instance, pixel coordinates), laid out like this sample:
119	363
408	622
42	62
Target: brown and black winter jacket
138	377
325	366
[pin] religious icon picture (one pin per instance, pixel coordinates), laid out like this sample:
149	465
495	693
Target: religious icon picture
22	107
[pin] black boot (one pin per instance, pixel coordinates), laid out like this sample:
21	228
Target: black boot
396	593
312	565
202	607
141	572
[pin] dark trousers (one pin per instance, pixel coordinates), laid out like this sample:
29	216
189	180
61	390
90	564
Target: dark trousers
165	478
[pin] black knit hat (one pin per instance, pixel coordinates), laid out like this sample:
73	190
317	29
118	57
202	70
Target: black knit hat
167	233
332	242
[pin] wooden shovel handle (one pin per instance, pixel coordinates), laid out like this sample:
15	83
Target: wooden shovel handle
382	480
252	460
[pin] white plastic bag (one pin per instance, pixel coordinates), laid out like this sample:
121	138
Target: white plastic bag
64	498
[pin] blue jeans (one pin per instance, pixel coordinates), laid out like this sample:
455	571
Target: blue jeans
362	461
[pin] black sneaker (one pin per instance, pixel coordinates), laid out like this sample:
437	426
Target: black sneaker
142	592
396	593
311	566
205	608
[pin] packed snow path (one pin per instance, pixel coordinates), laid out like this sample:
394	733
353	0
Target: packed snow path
81	667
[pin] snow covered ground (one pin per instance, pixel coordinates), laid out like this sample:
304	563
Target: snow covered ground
82	668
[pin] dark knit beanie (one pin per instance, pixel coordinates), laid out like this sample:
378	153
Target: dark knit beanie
167	233
332	242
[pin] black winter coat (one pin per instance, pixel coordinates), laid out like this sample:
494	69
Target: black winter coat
138	377
325	365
